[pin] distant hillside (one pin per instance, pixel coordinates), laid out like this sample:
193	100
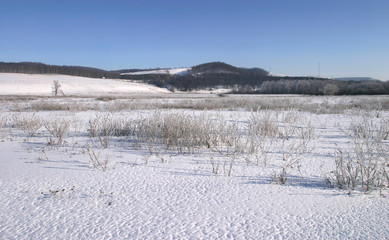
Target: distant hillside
215	68
207	75
223	68
40	68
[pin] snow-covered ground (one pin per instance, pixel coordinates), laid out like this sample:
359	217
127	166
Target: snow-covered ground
51	191
171	71
41	84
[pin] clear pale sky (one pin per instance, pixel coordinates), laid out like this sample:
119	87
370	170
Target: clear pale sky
347	37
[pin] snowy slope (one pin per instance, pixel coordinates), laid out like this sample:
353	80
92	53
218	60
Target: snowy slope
172	71
41	84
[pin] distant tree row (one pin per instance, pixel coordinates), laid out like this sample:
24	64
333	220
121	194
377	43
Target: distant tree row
40	68
203	81
190	82
318	87
272	85
263	84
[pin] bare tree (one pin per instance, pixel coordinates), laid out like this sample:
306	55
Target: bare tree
330	89
56	87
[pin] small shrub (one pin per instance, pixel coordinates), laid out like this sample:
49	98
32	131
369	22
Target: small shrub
96	160
261	149
370	129
3	122
307	132
106	98
178	131
58	129
280	178
263	123
115	106
104	127
29	124
55	106
365	163
215	164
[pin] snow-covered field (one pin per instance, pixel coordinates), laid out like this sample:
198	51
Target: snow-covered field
124	168
41	84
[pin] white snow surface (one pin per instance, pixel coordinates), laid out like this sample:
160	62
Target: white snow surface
53	192
172	71
41	84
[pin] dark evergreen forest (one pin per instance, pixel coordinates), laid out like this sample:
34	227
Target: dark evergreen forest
40	68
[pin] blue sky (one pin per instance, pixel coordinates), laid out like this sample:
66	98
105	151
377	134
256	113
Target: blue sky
347	37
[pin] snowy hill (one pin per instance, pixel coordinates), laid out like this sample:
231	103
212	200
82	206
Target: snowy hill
41	84
171	71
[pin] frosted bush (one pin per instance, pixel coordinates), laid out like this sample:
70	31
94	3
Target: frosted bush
58	128
179	131
29	124
365	163
106	126
3	121
263	123
96	160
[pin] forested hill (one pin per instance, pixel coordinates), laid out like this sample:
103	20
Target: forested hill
40	68
220	68
213	74
254	80
202	76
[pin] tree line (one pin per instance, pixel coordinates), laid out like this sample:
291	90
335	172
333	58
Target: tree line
40	68
317	87
263	84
